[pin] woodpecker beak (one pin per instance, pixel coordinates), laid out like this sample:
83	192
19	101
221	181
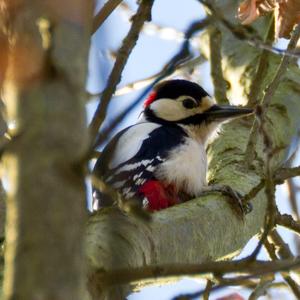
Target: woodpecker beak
224	112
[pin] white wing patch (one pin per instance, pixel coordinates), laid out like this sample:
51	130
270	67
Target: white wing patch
130	142
131	167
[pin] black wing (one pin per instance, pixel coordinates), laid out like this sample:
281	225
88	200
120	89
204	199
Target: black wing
148	145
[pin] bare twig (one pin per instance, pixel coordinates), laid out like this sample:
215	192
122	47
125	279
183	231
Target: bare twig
262	287
283	252
283	249
207	290
236	281
152	29
143	14
254	191
215	40
288	222
140	84
104	13
255	268
270	216
262	69
292	191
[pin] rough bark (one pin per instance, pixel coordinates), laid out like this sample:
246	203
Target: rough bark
43	91
206	228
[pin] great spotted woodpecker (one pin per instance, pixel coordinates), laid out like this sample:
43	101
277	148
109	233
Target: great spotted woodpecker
161	160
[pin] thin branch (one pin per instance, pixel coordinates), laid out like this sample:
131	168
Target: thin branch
288	222
262	69
215	40
236	281
143	14
292	194
270	90
104	13
262	288
269	218
207	290
255	268
285	173
283	249
269	188
288	279
268	95
151	29
254	191
284	252
140	84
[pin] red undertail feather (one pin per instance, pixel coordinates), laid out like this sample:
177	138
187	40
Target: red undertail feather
159	195
150	99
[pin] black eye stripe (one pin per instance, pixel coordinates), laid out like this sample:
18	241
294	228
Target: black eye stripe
189	103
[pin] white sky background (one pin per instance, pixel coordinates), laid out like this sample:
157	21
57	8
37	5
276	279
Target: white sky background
148	58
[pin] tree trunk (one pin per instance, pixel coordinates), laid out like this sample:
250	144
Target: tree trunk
43	91
207	228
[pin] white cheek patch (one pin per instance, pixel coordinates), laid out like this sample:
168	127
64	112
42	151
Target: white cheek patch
173	110
168	109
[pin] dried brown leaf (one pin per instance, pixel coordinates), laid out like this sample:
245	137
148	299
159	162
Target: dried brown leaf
287	13
250	10
287	16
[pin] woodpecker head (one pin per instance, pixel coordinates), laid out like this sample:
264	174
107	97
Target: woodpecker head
187	104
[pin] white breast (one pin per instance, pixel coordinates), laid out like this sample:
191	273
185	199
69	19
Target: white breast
186	167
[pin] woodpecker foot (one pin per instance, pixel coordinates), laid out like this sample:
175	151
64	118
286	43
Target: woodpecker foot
235	198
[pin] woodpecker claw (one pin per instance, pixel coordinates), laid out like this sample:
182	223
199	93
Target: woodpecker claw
235	197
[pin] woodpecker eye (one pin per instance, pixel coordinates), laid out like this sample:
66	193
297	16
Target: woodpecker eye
189	103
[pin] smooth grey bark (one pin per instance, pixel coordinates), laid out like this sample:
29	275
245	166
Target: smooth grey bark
206	228
43	91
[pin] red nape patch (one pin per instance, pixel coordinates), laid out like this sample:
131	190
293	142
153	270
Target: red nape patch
150	99
160	196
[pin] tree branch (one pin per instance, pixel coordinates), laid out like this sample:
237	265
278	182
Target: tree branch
143	14
142	83
287	221
104	13
255	268
284	253
215	40
269	94
285	173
